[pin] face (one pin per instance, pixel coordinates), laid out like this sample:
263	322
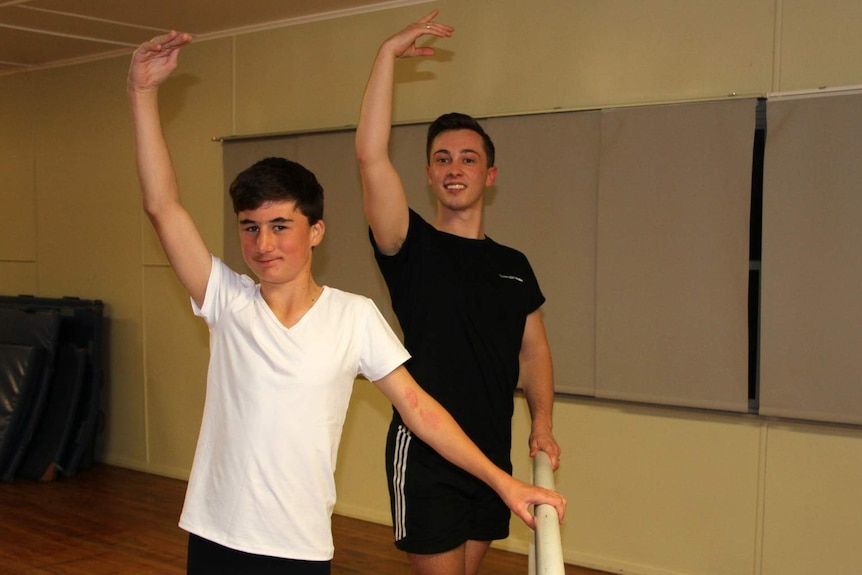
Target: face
276	241
458	169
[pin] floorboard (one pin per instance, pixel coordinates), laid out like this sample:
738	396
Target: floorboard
109	520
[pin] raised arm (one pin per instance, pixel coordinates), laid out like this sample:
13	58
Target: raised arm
151	65
537	380
433	424
383	195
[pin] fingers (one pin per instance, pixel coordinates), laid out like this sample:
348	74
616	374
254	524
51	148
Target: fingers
557	501
540	496
546	443
527	517
155	60
173	40
553	452
403	43
560	506
429	16
426	25
554	455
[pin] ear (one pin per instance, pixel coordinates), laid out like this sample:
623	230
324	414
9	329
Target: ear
318	230
428	174
491	177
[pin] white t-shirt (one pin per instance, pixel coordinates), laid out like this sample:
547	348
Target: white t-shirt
263	474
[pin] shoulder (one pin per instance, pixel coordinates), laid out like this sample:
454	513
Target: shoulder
339	295
344	300
225	289
419	234
222	272
506	252
418	224
351	310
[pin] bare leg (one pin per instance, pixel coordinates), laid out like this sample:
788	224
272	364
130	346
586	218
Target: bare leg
447	563
463	560
473	556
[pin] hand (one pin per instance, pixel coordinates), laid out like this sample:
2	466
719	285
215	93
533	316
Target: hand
403	44
519	496
543	440
154	61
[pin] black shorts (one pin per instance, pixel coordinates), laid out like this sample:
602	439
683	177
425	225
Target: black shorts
208	558
435	505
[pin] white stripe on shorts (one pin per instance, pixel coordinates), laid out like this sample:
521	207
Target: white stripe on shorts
402	443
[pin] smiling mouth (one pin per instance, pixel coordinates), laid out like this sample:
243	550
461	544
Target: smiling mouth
455	187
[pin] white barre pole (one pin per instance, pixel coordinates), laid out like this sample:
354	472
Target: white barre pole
547	557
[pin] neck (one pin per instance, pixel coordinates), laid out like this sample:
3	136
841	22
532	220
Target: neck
289	302
463	223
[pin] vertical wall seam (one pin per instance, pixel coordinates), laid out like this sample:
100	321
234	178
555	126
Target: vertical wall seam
776	45
597	222
34	167
233	84
143	221
760	505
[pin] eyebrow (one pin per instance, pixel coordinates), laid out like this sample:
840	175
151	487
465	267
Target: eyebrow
278	220
462	151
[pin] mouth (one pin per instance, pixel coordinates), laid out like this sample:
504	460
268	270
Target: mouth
455	187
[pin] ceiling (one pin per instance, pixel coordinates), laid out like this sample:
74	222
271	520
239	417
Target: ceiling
48	33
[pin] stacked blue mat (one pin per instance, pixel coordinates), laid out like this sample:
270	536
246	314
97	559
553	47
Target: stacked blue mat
51	370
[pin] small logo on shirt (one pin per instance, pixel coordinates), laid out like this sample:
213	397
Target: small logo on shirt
506	277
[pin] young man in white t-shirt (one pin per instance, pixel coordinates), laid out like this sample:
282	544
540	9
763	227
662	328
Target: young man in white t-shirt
284	354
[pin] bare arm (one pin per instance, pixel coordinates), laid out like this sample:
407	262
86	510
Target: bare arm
433	424
384	200
537	379
151	65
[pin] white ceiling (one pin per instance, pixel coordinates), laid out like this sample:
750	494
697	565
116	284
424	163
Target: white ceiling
48	33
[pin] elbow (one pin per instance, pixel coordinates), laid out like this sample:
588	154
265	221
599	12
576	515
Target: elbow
419	415
370	154
151	210
153	207
363	158
157	210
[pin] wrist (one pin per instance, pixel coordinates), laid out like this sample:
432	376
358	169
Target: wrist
540	425
390	50
138	92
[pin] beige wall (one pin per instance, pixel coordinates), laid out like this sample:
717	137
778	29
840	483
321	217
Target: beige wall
651	490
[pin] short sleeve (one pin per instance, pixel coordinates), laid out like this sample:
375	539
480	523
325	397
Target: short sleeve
382	350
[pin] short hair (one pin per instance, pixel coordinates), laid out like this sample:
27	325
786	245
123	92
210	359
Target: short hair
276	180
458	121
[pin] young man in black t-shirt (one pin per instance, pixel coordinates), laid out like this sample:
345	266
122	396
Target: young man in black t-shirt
470	312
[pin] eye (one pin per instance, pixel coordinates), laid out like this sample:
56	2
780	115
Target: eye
251	229
279	227
441	160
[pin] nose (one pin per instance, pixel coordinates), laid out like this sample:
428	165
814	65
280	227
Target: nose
263	241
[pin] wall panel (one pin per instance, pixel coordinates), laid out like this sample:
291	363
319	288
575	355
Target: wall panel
673	235
811	312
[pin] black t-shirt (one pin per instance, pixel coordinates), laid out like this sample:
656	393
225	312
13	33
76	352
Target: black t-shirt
462	305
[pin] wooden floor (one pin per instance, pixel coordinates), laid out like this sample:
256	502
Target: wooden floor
109	520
